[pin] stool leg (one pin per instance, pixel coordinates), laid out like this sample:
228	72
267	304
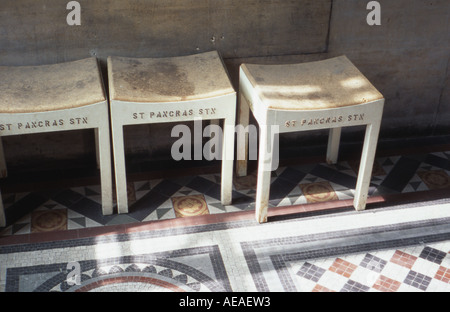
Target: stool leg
333	145
97	152
120	170
104	156
264	174
2	213
242	137
227	161
3	169
366	166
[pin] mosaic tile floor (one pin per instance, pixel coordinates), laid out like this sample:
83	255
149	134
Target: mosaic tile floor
161	199
401	246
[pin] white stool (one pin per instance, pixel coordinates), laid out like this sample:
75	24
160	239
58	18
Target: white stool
175	89
58	97
318	95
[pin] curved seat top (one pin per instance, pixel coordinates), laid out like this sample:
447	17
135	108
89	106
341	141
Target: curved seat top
326	84
29	89
169	79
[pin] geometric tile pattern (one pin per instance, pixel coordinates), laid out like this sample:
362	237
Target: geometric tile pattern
159	199
342	267
366	272
311	272
403	259
148	272
443	274
342	252
432	255
278	256
373	263
417	280
203	269
356	261
386	284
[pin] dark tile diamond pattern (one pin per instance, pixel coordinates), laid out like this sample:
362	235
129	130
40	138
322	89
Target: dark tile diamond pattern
153	198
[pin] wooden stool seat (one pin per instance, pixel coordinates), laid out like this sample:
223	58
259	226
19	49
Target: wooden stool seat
328	94
173	89
172	79
332	83
31	89
57	97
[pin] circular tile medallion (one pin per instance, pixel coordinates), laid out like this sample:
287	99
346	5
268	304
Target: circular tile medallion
435	179
191	205
318	192
49	220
